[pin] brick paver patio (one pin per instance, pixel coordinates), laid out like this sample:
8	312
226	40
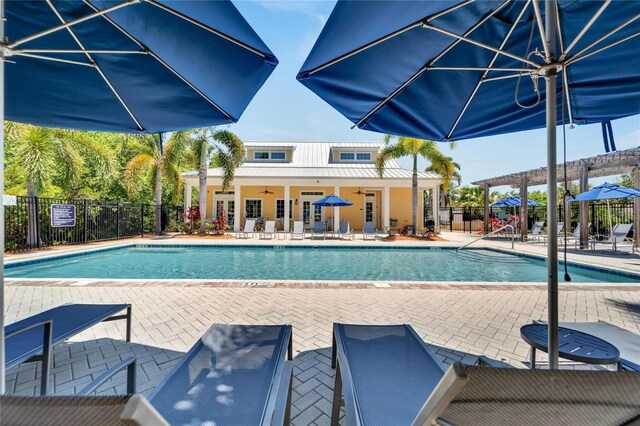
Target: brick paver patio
459	322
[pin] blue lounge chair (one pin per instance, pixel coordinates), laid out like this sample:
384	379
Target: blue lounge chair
369	231
390	376
318	230
235	374
385	371
32	338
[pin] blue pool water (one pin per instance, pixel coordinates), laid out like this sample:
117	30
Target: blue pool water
304	263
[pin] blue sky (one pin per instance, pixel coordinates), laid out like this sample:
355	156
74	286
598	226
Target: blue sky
284	110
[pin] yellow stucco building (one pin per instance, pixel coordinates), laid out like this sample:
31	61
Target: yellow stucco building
282	179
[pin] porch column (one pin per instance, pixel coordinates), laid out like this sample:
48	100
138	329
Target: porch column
436	206
385	207
584	207
285	219
237	208
524	208
336	211
636	208
486	208
187	197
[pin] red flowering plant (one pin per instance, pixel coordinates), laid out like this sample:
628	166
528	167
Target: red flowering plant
404	231
219	224
191	219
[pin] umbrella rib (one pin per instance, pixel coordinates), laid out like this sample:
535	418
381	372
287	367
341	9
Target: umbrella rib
96	66
536	10
484	75
98	52
480	44
71	23
383	39
576	59
584	30
49	58
421	70
211	30
157	58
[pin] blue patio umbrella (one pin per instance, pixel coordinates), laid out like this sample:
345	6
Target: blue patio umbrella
130	66
607	191
332	201
513	201
135	66
450	70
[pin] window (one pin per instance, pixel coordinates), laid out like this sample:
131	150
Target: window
253	209
280	209
347	156
355	156
269	155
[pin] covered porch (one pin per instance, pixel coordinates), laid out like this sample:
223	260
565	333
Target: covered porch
385	202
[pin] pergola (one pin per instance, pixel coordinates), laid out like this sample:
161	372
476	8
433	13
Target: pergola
613	163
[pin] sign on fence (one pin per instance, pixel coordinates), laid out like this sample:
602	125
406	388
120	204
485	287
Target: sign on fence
63	215
9	200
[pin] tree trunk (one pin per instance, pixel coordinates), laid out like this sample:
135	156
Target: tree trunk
202	181
414	195
158	199
32	215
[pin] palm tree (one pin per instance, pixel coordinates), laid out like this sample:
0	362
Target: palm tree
46	155
228	154
448	172
414	148
154	163
470	196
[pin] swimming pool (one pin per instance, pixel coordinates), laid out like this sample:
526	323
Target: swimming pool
303	263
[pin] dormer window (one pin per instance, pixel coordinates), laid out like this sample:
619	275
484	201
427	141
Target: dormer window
269	155
355	156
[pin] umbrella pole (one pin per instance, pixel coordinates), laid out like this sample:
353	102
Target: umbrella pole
2	379
552	202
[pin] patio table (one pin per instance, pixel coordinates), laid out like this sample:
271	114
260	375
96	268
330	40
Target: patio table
572	344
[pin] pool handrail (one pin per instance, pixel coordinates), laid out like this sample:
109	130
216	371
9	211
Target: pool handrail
513	237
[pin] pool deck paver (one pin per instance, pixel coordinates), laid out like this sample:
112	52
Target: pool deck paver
459	321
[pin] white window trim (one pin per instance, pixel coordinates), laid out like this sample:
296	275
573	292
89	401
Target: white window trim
244	210
355	157
269	152
275	208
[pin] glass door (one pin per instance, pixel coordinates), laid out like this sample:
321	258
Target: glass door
370	208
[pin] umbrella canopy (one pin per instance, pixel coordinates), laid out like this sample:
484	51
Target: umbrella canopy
513	201
607	191
446	70
332	201
130	66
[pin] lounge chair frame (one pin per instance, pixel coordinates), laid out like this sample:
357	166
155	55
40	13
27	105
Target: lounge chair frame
277	409
42	353
344	390
366	234
244	233
294	234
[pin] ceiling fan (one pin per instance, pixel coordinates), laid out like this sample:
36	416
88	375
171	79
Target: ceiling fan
358	192
266	191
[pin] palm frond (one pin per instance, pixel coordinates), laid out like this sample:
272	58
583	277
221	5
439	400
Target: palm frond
136	172
69	165
226	162
232	145
176	148
387	153
34	154
99	154
173	180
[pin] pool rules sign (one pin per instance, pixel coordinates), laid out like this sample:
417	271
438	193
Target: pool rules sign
63	215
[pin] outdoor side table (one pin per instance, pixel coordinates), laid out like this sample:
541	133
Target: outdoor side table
572	344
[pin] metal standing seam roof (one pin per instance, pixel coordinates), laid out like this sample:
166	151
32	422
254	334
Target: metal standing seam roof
313	160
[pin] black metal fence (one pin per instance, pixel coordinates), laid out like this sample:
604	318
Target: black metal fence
28	223
601	216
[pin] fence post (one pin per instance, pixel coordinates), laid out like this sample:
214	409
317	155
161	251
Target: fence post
450	219
85	217
142	220
37	221
118	220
